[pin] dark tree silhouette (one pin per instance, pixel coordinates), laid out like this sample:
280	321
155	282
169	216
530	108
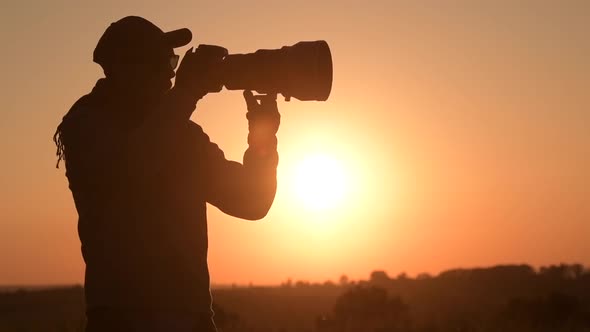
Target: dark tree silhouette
554	312
380	278
343	281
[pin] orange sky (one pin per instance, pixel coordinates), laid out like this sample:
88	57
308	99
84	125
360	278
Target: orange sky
463	128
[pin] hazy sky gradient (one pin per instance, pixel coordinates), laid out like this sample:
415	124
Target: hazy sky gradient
464	126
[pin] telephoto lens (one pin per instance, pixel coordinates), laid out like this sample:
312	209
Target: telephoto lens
302	71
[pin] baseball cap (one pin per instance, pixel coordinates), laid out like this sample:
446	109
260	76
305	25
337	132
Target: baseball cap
134	36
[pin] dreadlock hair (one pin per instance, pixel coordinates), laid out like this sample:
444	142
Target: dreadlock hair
58	140
71	117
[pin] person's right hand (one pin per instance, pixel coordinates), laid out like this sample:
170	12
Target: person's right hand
200	71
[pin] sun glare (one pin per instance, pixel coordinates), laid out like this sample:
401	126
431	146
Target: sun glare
320	182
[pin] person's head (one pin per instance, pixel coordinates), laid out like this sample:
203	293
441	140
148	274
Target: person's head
137	55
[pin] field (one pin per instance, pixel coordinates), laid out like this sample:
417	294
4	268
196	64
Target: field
500	298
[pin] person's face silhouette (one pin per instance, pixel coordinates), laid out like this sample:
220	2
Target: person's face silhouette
148	76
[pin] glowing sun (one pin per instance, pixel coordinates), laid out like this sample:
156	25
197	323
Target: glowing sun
320	182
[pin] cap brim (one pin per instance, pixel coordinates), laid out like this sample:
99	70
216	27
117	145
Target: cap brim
178	38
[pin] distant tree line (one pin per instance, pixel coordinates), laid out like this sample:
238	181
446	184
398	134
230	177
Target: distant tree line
502	298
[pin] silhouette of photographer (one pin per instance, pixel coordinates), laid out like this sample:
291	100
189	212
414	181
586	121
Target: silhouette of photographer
141	174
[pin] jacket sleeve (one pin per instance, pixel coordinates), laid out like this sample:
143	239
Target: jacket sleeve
245	190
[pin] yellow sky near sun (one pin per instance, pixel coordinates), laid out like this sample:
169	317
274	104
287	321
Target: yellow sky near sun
461	126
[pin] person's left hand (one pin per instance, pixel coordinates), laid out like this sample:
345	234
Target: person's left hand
263	121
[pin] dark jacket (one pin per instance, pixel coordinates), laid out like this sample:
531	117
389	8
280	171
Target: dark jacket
140	187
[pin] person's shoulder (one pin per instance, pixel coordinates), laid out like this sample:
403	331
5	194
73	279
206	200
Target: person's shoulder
81	122
76	113
82	110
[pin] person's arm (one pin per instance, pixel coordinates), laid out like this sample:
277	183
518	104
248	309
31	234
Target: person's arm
247	190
